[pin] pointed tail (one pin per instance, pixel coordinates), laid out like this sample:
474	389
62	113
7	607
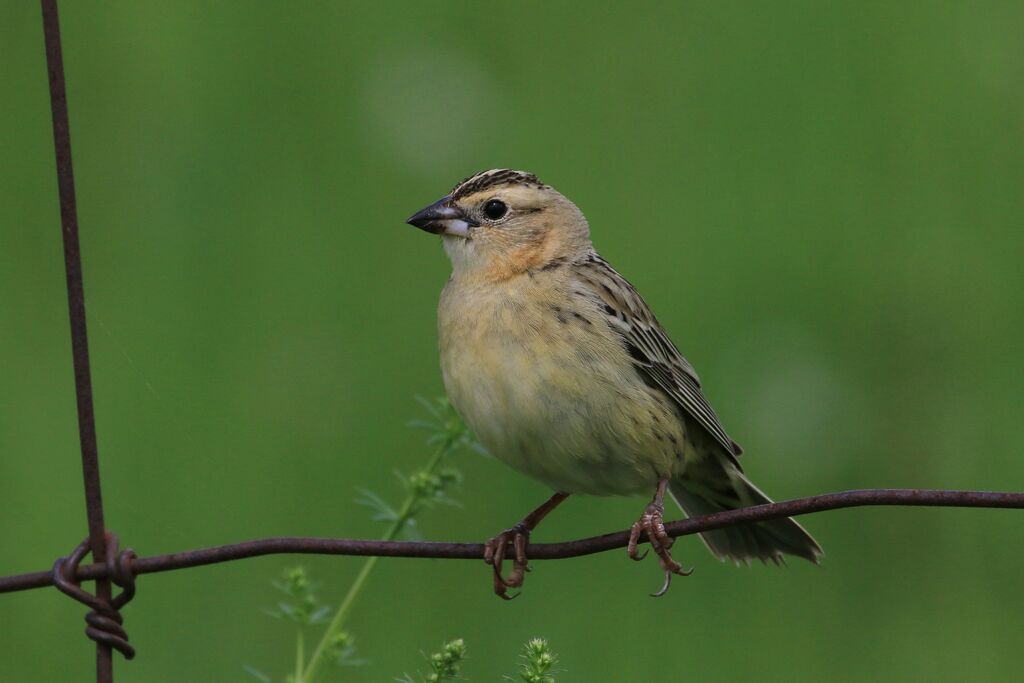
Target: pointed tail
718	486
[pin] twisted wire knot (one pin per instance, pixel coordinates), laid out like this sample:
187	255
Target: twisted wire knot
104	622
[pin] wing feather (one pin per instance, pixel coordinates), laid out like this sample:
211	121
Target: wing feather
653	352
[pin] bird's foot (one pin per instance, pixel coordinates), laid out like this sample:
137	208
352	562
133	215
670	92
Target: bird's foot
519	537
652	523
494	555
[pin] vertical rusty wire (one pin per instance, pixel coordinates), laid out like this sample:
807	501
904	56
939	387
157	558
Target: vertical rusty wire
76	308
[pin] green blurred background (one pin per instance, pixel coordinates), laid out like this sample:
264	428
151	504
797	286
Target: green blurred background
822	201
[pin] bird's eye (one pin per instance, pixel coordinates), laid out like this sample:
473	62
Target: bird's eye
495	209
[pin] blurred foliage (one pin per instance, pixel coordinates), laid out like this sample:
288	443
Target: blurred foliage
444	665
821	201
538	662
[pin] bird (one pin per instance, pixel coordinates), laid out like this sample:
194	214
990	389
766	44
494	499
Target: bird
561	370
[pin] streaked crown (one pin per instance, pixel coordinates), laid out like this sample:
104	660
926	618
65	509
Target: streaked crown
492	178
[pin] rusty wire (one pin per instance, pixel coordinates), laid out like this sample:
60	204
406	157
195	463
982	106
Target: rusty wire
112	565
104	621
536	551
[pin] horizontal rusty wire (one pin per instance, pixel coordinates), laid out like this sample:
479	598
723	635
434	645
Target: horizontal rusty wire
536	551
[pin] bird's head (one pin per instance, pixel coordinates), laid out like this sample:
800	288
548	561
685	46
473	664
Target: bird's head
500	223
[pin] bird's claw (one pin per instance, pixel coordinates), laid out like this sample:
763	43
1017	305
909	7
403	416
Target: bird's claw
494	555
652	524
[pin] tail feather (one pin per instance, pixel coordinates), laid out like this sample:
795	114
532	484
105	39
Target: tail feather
728	489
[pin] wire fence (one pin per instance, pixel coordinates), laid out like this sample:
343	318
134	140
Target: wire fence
113	566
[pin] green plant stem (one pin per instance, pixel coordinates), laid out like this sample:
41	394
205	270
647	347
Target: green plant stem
404	514
300	654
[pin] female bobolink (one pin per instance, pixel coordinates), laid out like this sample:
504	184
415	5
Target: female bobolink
561	370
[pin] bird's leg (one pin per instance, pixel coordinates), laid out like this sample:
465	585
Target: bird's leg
652	523
519	537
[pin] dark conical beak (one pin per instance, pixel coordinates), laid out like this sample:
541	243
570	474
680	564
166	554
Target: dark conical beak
443	217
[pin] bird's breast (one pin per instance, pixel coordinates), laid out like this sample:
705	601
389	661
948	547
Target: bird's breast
518	352
544	384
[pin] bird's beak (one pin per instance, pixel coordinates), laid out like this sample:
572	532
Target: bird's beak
443	217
